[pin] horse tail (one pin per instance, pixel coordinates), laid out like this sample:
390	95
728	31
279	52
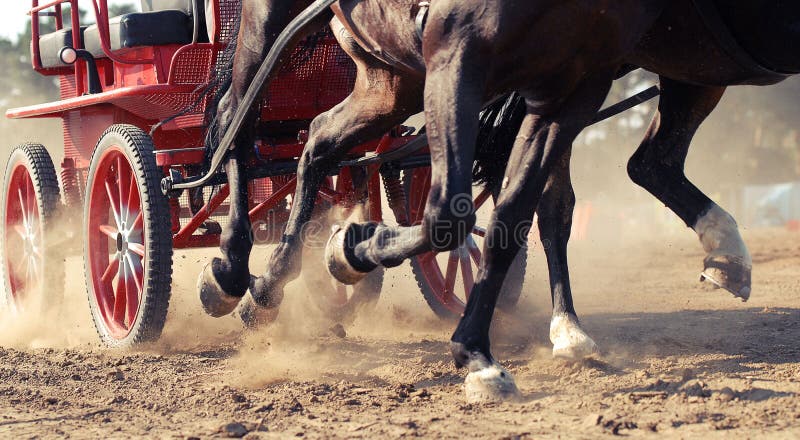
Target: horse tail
499	124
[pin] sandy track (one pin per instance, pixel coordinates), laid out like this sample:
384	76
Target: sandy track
679	359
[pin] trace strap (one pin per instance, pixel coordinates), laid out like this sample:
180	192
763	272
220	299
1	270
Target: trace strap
422	17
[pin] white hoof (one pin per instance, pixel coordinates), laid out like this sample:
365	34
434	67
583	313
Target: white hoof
569	340
728	264
490	384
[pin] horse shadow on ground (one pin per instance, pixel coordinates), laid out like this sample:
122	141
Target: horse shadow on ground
747	344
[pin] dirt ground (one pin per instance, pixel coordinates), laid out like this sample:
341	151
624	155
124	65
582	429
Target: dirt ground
679	360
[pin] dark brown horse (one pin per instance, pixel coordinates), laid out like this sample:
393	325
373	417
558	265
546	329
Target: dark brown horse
561	56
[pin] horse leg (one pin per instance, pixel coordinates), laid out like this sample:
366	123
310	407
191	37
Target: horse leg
658	167
382	98
224	281
542	143
555	209
454	89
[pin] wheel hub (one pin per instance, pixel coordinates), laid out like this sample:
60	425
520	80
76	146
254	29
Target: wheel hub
121	244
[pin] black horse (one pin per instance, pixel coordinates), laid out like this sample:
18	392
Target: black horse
561	57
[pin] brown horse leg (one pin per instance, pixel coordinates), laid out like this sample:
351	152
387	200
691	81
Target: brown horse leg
382	98
539	154
658	167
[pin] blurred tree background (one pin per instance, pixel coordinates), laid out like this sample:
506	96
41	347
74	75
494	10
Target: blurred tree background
20	86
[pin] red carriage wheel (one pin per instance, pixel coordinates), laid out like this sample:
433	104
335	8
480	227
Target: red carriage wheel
30	271
446	278
128	253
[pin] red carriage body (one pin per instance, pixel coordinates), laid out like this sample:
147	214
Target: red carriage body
151	67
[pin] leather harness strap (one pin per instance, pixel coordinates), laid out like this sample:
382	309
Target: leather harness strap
707	9
422	17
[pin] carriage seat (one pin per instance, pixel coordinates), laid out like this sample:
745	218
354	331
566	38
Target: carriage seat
161	22
51	44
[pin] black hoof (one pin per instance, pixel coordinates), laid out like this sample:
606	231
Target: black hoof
265	293
732	276
216	302
209	227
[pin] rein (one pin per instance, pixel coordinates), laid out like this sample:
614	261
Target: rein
422	17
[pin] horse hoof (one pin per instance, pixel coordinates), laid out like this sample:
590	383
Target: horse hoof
215	301
728	273
569	340
336	260
490	384
253	315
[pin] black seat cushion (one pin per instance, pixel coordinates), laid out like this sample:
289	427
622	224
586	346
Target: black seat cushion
142	29
51	44
186	6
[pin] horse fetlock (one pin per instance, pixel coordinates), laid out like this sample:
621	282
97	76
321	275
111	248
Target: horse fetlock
569	340
254	315
266	292
217	301
728	264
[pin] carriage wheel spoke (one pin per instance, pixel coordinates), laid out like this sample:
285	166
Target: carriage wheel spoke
466	270
31	199
113	198
133	291
122	188
474	251
136	248
120	293
110	231
138	222
23	206
482	198
452	270
111	270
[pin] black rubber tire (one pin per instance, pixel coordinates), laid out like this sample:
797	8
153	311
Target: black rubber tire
157	279
509	294
43	176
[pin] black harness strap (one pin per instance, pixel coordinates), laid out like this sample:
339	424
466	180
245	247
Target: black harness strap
422	17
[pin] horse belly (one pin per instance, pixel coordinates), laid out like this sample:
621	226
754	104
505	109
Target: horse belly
768	30
680	46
